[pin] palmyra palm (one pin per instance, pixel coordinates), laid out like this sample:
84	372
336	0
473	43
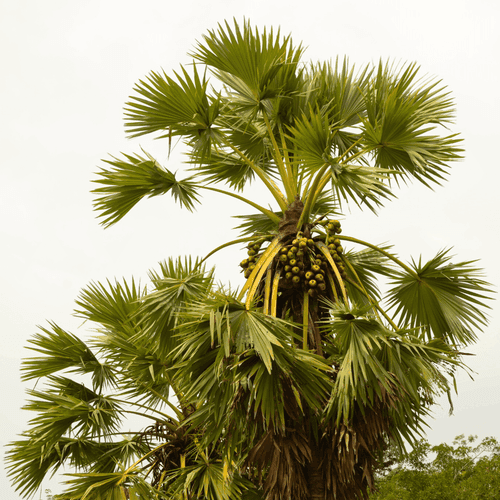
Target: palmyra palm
292	386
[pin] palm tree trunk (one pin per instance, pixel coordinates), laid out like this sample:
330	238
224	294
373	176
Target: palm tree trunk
315	478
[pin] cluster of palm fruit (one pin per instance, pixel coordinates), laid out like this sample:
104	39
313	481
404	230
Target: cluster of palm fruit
253	252
301	262
303	266
334	246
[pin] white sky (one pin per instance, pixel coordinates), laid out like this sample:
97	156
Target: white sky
67	68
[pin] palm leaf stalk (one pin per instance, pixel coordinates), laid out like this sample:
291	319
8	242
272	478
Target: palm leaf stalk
293	386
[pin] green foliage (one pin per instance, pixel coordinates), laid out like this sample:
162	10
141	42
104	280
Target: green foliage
256	67
182	107
62	350
458	288
463	470
290	386
131	180
399	116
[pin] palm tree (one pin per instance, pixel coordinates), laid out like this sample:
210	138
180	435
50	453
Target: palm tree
293	386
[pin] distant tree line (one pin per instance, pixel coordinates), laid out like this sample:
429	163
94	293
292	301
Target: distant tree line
463	470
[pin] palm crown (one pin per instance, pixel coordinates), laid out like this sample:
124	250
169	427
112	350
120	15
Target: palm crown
292	386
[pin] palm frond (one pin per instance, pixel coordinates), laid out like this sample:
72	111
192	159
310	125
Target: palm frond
257	224
361	376
64	407
108	486
238	365
68	405
362	268
223	326
336	91
446	300
180	107
124	340
255	66
140	369
401	111
220	166
176	284
360	184
113	306
62	350
205	479
130	180
325	205
313	137
377	365
30	460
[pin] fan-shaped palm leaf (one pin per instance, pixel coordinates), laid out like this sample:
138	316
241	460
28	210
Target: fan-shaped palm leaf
179	107
362	269
64	351
401	110
442	298
130	180
252	60
113	306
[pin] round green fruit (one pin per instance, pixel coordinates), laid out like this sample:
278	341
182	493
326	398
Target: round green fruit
296	279
283	258
309	275
312	283
296	270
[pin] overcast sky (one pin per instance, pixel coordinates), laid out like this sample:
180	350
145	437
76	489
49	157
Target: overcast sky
67	68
